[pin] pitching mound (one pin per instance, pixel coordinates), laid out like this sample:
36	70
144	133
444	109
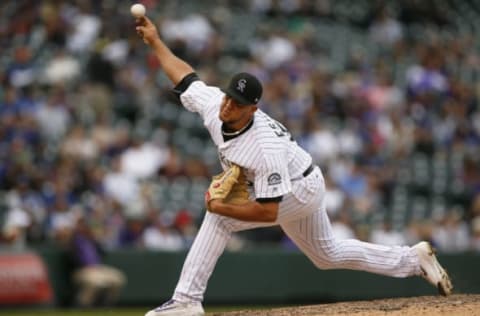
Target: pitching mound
414	306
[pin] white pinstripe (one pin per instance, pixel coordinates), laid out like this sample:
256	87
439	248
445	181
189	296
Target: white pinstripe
302	215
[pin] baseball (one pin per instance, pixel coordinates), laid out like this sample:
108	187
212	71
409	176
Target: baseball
137	10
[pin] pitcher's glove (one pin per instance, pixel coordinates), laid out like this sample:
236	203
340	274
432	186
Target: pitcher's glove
229	186
239	192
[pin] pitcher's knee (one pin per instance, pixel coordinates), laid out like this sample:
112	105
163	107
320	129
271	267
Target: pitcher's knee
328	255
323	265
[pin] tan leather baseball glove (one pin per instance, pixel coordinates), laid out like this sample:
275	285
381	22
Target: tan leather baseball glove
239	192
229	186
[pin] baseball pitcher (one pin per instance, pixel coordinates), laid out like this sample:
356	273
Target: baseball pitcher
285	189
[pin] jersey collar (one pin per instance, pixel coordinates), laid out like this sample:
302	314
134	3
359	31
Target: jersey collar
229	136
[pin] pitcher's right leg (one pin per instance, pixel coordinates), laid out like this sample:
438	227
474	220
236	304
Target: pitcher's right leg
209	244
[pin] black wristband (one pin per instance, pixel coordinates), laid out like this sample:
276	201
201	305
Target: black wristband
183	85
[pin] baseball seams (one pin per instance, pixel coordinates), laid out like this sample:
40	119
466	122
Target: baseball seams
275	165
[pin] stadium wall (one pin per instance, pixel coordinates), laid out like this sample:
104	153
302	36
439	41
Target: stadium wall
258	277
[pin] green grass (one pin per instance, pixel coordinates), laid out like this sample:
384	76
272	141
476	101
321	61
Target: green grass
117	311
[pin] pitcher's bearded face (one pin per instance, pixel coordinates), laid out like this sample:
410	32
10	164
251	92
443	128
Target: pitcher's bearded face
231	112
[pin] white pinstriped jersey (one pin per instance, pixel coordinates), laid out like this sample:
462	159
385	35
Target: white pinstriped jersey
273	163
270	158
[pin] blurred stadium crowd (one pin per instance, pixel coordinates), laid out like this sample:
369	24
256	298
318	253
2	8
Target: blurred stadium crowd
384	94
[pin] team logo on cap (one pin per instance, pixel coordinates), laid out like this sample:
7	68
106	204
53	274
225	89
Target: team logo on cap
241	84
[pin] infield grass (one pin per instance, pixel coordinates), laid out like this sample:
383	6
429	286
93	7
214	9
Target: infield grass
117	311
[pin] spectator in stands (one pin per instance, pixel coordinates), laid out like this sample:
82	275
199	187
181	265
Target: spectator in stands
385	29
385	235
62	218
84	27
185	224
54	25
160	235
342	225
63	68
428	77
97	284
53	115
143	159
335	197
121	186
451	235
14	231
77	143
130	235
323	136
21	73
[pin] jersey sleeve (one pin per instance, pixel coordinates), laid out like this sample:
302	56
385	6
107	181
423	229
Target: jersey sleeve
199	97
272	179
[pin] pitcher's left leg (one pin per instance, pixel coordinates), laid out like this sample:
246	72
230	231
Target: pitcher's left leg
313	235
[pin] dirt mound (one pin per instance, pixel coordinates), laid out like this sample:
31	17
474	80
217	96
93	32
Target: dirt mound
465	304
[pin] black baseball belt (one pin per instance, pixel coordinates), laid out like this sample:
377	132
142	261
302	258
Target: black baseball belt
308	170
305	174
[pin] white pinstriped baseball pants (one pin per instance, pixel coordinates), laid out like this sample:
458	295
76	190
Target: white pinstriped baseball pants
311	232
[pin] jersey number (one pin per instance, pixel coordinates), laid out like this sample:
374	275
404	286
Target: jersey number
279	129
